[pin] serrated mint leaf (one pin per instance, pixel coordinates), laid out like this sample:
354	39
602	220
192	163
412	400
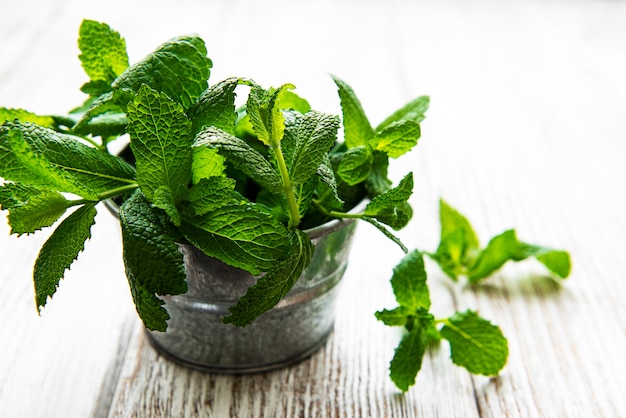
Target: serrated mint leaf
394	317
291	101
163	198
212	193
104	125
356	165
149	307
216	107
160	138
409	282
103	51
40	169
13	195
378	181
392	198
9	114
94	170
273	286
327	176
60	251
357	128
314	133
105	104
397	138
265	114
407	360
207	163
150	250
242	156
475	343
412	111
241	236
557	261
38	211
179	68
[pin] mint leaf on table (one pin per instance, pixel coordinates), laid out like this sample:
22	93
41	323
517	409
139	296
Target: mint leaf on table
409	282
103	54
216	107
409	355
154	264
273	286
10	114
160	138
412	111
242	156
179	68
475	343
60	251
397	138
240	235
357	128
40	210
86	168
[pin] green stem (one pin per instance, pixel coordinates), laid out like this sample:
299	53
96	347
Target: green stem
335	214
294	210
107	195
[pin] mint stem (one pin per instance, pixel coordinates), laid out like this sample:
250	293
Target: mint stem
107	195
294	211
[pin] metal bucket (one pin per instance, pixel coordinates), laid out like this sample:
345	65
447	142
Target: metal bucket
291	331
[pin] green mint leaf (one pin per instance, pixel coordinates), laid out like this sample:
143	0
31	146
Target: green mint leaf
154	264
40	168
179	68
216	107
93	170
9	114
39	211
315	134
211	194
60	251
163	198
273	286
412	111
13	195
409	282
407	360
207	163
459	245
105	105
104	125
289	100
103	51
397	138
392	207
357	128
265	114
327	176
475	343
241	236
242	156
356	165
160	138
505	247
378	181
395	317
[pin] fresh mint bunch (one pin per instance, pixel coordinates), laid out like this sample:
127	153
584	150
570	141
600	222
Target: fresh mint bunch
460	254
475	343
241	184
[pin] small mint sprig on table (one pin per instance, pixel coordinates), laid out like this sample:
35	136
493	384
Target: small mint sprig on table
475	343
460	253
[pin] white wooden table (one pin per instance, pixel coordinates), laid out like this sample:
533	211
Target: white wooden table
527	129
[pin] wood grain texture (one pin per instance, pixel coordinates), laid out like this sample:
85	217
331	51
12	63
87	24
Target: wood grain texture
526	129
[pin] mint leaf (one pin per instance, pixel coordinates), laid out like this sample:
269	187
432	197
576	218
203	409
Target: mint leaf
314	134
356	165
273	286
163	198
265	114
9	114
154	264
105	106
107	124
505	247
212	193
38	211
357	128
207	163
395	317
241	236
242	156
179	68
60	251
408	357
391	207
475	343
216	107
289	100
103	51
412	111
409	282
378	181
86	168
397	138
161	142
